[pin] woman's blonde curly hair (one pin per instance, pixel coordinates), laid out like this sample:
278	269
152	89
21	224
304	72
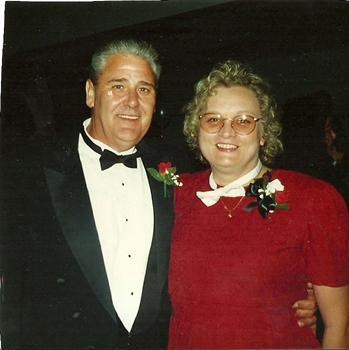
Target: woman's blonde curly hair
227	74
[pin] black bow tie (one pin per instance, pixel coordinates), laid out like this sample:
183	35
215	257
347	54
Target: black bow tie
108	158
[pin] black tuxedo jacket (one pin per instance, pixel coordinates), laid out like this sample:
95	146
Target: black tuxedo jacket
57	294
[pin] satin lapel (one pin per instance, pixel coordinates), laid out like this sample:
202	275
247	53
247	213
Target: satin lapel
163	214
163	220
157	269
73	209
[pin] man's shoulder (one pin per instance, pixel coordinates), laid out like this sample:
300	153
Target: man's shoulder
28	162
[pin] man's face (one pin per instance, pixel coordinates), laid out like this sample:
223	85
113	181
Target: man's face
123	102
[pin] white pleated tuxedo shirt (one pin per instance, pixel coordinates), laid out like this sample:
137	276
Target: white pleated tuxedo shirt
123	212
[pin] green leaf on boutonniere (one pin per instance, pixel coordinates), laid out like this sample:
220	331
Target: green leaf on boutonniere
166	174
155	174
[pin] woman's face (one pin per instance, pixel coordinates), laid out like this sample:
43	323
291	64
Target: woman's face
229	154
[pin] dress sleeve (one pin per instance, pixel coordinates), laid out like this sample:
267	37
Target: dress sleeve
327	241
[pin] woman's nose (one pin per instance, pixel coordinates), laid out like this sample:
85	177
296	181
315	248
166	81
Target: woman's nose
226	129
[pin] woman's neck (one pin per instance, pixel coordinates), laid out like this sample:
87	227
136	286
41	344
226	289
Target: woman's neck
225	178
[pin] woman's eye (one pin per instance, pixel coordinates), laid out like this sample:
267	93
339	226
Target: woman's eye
211	118
243	121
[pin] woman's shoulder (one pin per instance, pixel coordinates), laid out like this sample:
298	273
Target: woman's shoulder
191	183
306	186
296	178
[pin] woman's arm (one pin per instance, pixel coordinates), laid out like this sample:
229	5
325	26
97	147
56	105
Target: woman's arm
333	304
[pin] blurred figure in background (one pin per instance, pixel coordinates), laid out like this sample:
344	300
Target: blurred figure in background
303	123
337	142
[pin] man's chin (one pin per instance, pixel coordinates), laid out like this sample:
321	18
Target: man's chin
126	143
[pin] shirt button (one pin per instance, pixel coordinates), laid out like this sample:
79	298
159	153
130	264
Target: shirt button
131	293
76	314
129	255
60	280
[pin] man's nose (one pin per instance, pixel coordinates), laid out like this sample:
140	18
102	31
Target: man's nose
132	98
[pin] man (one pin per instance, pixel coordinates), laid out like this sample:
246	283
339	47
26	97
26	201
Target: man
95	235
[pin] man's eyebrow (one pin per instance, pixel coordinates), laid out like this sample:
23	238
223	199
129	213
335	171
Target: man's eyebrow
124	80
121	80
146	83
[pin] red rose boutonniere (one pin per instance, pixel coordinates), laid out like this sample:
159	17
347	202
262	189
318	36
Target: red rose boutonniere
166	174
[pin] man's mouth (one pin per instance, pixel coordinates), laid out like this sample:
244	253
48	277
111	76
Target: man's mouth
128	116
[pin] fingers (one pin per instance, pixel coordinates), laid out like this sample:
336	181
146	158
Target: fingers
305	309
307	322
304	313
310	291
307	304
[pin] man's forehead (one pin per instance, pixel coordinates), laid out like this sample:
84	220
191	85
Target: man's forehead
127	67
128	61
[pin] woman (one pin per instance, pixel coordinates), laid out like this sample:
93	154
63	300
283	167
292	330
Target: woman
246	239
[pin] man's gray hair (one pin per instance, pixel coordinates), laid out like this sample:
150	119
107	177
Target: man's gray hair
140	49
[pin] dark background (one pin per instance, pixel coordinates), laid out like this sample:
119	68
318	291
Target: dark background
299	46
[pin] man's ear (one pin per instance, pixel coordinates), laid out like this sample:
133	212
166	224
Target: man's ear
90	93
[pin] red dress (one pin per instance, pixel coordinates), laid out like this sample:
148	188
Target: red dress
233	281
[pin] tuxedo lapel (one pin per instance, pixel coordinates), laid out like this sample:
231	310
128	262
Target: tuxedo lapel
157	269
73	209
163	217
163	209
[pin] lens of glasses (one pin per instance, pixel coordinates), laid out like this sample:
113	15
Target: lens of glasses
242	124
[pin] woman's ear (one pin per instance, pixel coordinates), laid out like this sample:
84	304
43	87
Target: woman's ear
262	142
90	93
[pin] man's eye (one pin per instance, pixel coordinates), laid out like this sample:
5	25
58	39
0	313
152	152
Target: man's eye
144	90
118	87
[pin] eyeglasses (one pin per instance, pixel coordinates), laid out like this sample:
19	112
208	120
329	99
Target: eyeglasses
242	124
